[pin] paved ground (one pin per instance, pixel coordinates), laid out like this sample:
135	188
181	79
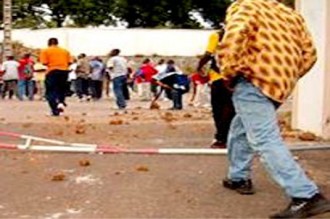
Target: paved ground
129	186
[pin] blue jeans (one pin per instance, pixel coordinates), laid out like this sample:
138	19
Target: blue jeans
255	129
118	89
25	88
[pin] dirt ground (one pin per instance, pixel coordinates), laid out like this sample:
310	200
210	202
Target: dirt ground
67	185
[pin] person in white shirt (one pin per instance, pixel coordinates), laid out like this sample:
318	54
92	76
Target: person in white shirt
117	67
10	77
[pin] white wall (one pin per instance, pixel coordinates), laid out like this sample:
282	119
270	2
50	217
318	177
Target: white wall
310	101
95	41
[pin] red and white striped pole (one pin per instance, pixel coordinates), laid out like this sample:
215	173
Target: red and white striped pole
106	149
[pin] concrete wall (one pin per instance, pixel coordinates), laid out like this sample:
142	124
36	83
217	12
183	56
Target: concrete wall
312	99
96	41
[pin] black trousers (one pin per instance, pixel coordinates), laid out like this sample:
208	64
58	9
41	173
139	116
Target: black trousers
9	86
222	109
56	87
96	88
82	87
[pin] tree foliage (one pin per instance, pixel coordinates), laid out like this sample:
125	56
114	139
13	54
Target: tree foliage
135	13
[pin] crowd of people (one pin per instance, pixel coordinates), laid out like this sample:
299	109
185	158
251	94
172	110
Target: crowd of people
91	78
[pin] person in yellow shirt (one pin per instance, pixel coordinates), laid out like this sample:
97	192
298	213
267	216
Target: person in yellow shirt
222	106
39	77
265	50
57	61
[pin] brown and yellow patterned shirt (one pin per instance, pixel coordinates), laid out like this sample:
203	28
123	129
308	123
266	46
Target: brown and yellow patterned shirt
269	44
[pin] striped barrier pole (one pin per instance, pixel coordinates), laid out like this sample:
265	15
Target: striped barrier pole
146	151
30	138
106	149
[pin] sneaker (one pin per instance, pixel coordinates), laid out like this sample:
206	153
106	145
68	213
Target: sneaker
61	107
243	187
218	145
302	208
50	114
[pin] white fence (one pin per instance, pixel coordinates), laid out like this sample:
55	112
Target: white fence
97	41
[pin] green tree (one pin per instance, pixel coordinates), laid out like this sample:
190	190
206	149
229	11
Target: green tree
290	3
142	13
170	13
82	12
137	13
213	11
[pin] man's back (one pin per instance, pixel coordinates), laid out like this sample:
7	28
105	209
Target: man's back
10	69
118	65
269	43
26	68
55	58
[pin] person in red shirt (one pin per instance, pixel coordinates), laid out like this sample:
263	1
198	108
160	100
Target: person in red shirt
199	82
25	75
146	72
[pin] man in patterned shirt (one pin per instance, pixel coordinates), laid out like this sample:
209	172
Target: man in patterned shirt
266	49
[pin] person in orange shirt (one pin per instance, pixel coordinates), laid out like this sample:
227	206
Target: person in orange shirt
57	61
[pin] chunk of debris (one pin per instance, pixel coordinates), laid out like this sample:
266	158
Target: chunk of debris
66	118
116	122
307	136
187	115
80	129
154	106
289	134
26	125
168	117
84	163
142	169
58	177
59	133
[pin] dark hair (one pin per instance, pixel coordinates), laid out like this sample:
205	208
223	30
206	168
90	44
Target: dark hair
82	55
11	57
27	55
162	61
146	61
114	52
170	62
53	42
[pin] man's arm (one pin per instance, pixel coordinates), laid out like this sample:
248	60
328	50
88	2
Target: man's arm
110	64
44	58
233	46
205	59
69	58
210	50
